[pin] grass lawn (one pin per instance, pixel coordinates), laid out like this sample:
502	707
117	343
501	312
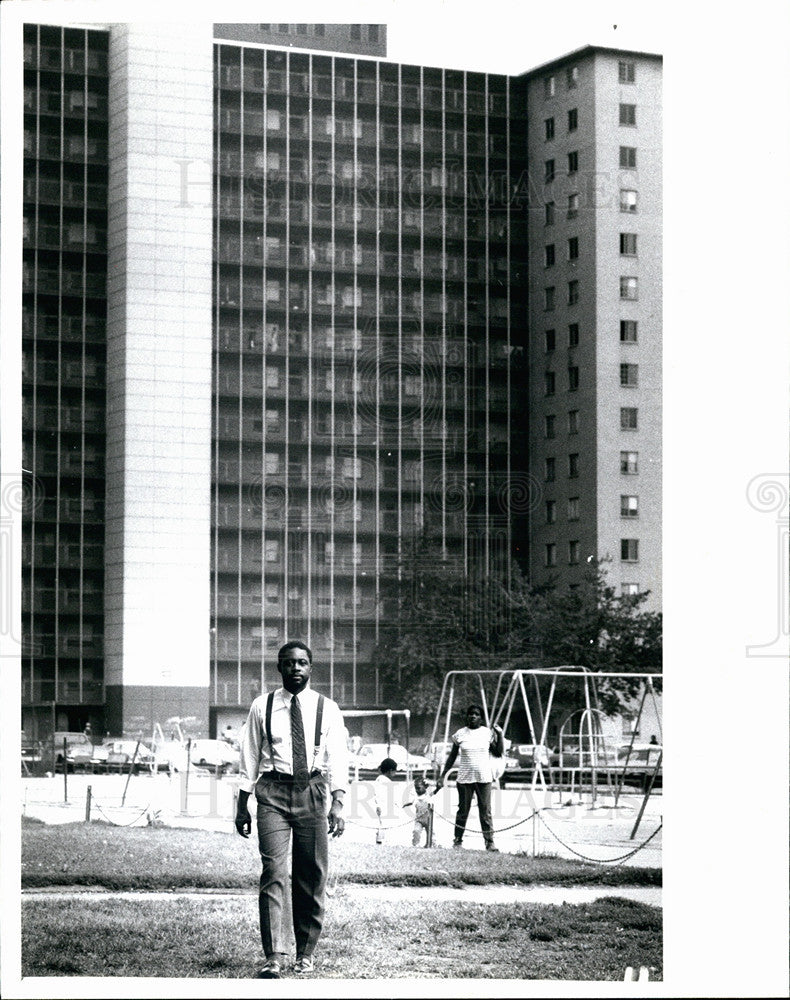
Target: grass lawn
209	938
99	854
364	938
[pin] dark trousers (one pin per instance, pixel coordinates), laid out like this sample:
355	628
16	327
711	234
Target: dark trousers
466	793
283	810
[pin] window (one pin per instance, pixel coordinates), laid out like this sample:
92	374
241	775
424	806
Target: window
550	555
272	378
549	126
573	552
573	161
572	76
272	119
549	86
373	32
629	589
550	339
629	549
573	335
319	30
412	385
628	244
573	119
627	201
573	378
549	425
573	292
272	593
573	205
628	157
629	374
549	383
352	468
548	298
272	550
573	421
628	331
548	255
629	463
626	72
549	470
549	220
548	171
629	506
573	466
573	248
628	114
271	463
355	32
629	288
628	418
573	508
551	511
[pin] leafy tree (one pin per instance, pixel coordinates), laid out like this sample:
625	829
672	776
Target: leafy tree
442	619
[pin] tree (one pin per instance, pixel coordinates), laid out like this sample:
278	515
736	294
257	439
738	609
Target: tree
441	618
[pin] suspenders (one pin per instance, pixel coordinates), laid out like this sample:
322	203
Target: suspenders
319	714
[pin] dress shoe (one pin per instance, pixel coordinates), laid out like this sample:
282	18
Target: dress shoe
303	965
271	969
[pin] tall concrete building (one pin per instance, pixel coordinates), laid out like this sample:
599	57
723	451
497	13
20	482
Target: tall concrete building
594	154
286	311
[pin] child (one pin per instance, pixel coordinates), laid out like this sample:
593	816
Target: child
422	811
382	791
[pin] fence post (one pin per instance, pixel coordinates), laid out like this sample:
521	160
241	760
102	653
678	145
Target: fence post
534	833
88	805
65	773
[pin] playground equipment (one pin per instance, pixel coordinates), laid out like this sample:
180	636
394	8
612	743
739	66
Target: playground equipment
598	756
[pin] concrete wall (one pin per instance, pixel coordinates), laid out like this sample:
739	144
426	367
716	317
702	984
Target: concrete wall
159	373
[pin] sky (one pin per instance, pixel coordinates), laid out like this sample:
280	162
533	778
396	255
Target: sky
726	363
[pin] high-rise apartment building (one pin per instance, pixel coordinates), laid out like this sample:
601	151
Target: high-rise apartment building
594	152
278	325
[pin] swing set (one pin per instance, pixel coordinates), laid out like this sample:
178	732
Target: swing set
589	756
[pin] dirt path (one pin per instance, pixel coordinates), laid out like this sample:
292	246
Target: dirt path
544	894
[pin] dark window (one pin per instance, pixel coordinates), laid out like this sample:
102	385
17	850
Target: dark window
573	335
573	119
628	114
549	123
628	157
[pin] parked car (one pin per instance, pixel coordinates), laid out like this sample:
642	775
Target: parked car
365	764
215	755
121	753
81	753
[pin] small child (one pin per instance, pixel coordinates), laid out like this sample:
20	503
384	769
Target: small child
422	812
382	792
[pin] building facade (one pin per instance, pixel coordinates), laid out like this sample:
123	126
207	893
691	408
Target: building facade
595	295
276	331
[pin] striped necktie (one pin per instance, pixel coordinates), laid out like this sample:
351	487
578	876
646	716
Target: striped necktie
299	750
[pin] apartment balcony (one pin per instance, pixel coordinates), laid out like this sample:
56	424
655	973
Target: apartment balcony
63	692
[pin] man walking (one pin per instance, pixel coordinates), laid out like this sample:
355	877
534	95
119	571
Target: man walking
293	750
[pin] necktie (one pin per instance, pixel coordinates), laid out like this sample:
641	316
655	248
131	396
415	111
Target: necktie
300	773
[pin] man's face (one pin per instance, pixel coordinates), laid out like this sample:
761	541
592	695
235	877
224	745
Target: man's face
295	669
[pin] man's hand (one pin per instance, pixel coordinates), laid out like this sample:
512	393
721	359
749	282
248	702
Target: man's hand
439	783
336	822
243	821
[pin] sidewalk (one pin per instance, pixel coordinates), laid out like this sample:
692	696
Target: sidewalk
565	826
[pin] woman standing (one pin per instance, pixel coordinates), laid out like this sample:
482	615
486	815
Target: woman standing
471	746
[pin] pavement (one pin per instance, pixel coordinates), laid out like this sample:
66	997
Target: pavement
540	823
